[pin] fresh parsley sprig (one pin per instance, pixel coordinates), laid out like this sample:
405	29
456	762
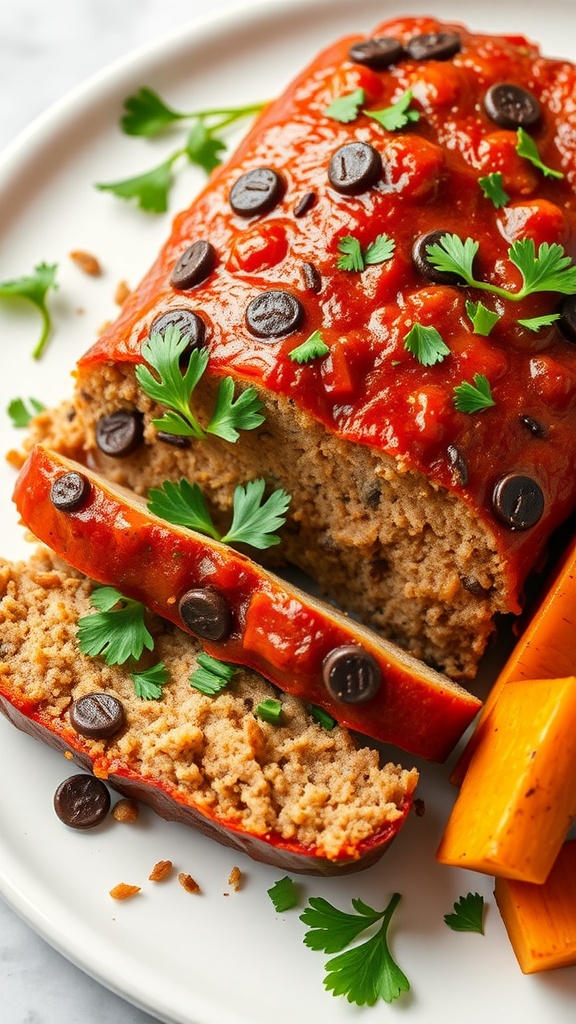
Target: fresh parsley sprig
398	114
527	148
212	676
468	914
481	318
117	631
21	411
283	894
346	108
34	288
149	683
253	520
493	189
313	348
426	344
535	323
174	389
354	258
473	397
146	113
366	972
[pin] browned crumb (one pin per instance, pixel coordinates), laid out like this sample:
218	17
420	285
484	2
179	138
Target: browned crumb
15	459
123	891
235	878
86	262
125	810
68	755
419	807
160	871
188	883
122	292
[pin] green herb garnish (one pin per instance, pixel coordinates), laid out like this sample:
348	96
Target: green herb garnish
473	397
321	716
34	288
482	318
150	190
493	188
174	389
253	519
313	348
21	413
366	972
283	894
116	633
345	108
270	710
398	115
212	676
468	914
354	258
426	344
148	684
527	148
534	323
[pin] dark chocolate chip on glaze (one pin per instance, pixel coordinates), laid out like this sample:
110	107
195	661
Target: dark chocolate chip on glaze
304	204
120	433
257	191
311	277
82	801
354	168
434	46
518	501
97	715
351	675
206	613
422	263
194	265
457	464
274	314
189	323
534	426
69	492
377	53
511	106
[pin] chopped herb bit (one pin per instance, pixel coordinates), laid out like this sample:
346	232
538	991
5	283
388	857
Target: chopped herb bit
473	397
203	148
148	684
270	710
534	323
345	108
380	250
321	716
527	148
398	115
150	190
115	633
468	914
313	348
426	344
283	894
34	288
212	676
352	257
482	318
366	972
21	413
493	188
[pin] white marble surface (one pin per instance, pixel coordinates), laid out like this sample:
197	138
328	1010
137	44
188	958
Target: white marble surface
45	51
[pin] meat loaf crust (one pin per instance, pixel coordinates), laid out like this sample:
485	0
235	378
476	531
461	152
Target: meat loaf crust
295	795
398	506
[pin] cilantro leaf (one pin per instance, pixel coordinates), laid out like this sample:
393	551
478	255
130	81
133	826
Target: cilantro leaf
321	716
380	250
527	148
482	318
20	413
203	148
212	675
148	684
398	115
549	271
115	633
270	711
352	257
426	344
473	397
331	929
493	189
254	520
182	504
283	894
231	415
451	254
34	288
345	108
313	348
534	323
468	914
150	190
146	113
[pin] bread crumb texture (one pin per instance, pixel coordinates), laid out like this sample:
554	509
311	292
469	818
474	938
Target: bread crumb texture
297	780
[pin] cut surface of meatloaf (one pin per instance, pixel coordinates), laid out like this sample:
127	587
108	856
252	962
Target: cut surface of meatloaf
294	794
421	511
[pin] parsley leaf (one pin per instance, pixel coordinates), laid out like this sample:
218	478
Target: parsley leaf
182	504
313	348
283	894
534	323
270	711
150	190
174	389
34	288
493	188
345	108
20	413
380	250
203	148
468	914
398	115
212	676
146	113
115	633
482	318
352	257
366	972
527	148
426	344
473	397
450	253
148	684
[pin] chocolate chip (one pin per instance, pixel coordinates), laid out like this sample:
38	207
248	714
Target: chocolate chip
97	715
194	265
377	53
535	428
518	501
311	276
567	321
176	440
69	492
82	801
274	314
206	612
351	675
473	586
354	168
304	204
189	323
434	46
510	106
256	191
457	464
421	259
120	433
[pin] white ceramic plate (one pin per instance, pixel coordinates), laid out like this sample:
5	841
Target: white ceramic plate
222	957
